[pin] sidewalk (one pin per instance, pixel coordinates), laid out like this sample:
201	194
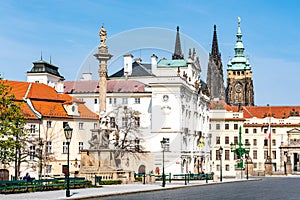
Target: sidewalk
109	190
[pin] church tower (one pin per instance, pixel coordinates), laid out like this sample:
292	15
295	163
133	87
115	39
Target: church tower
239	89
215	81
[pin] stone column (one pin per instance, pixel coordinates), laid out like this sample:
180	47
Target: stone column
103	56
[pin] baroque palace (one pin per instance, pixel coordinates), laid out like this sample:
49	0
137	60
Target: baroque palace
119	121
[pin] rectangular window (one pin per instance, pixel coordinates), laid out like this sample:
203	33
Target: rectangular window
274	154
125	101
137	121
254	154
246	130
227	140
218	167
226	167
137	100
65	147
273	142
217	154
112	122
95	125
235	156
80	146
266	142
235	140
32	152
227	154
235	126
110	100
48	169
246	141
32	128
254	142
273	130
95	101
124	121
218	140
209	126
226	126
254	130
265	154
115	100
49	124
217	126
48	147
81	125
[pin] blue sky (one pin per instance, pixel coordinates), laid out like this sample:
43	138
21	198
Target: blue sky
68	32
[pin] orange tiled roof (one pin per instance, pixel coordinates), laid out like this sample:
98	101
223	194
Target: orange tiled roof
270	111
86	113
46	100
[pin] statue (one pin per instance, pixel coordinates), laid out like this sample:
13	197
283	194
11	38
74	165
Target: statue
102	35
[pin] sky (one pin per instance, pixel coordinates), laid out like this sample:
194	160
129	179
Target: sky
66	32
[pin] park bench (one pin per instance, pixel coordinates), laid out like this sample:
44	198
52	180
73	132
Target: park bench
13	186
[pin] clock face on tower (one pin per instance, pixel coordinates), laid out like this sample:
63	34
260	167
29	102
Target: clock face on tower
238	88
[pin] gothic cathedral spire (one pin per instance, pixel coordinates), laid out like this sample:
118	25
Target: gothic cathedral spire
177	51
215	81
239	89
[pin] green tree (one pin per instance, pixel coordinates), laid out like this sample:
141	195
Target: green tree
12	120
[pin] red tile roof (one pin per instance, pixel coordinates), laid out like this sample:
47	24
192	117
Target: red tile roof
270	111
258	111
46	100
119	86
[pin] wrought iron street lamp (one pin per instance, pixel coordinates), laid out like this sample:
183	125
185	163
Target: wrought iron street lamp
220	155
240	150
68	134
163	146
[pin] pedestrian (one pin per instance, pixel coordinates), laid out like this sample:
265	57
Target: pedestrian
27	177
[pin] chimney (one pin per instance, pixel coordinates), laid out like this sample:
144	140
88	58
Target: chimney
138	60
153	63
127	64
86	76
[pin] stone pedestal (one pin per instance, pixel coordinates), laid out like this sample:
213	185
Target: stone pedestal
288	166
268	167
240	173
250	168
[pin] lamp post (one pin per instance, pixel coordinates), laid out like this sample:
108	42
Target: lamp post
240	149
41	158
220	155
68	134
247	165
163	145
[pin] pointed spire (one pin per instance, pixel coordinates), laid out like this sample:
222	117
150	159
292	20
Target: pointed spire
215	47
50	59
239	46
41	55
177	51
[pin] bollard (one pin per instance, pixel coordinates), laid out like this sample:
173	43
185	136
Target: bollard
184	179
206	178
169	177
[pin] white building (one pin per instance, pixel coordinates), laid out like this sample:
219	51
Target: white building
172	102
284	128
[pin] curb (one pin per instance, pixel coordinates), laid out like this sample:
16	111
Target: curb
158	189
